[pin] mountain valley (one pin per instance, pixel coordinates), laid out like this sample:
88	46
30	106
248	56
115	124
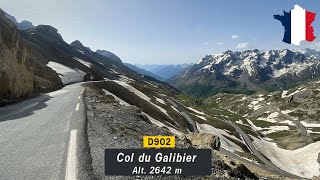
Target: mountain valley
258	111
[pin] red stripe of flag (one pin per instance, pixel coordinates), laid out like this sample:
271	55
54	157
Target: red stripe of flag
309	29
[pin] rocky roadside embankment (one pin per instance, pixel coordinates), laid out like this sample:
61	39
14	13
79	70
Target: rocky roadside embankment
22	74
16	65
111	125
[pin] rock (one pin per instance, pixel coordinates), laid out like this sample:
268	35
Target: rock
109	55
319	158
246	172
204	140
16	64
143	117
315	178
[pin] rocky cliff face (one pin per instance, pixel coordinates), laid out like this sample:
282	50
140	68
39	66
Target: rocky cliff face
23	25
16	65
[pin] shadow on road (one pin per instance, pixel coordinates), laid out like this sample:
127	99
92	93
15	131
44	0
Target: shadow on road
23	109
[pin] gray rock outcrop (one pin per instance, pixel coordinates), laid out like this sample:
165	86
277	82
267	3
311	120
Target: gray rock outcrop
204	140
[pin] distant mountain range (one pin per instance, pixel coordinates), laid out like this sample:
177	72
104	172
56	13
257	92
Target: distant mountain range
249	71
144	72
165	71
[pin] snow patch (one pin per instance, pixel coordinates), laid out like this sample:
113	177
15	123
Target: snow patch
67	75
286	111
125	79
83	62
297	91
196	111
160	101
160	124
175	109
240	122
140	94
301	162
113	71
288	122
270	118
273	129
201	117
306	124
121	102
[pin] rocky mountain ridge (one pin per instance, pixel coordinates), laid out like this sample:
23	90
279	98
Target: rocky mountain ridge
37	60
23	25
249	70
109	55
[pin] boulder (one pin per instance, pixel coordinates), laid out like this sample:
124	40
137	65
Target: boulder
204	140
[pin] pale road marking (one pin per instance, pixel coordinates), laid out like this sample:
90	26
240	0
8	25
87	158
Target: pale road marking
71	168
79	97
78	106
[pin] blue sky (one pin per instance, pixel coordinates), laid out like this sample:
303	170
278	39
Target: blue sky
165	31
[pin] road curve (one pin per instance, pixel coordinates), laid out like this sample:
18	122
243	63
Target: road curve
43	137
184	114
259	155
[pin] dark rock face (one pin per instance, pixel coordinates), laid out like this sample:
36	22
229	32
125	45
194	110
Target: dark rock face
318	158
24	25
16	64
109	55
48	32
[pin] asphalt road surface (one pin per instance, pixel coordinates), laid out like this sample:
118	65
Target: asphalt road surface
44	137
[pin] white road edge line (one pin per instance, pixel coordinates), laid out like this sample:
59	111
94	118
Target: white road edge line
79	97
78	106
71	168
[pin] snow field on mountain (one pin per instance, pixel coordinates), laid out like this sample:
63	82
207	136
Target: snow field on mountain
67	75
83	62
306	124
125	79
301	162
141	95
121	102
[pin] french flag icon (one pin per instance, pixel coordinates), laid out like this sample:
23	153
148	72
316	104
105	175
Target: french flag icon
297	24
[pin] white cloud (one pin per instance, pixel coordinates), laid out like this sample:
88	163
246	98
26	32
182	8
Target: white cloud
242	45
219	43
205	43
234	36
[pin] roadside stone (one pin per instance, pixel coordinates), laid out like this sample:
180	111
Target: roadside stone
204	140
